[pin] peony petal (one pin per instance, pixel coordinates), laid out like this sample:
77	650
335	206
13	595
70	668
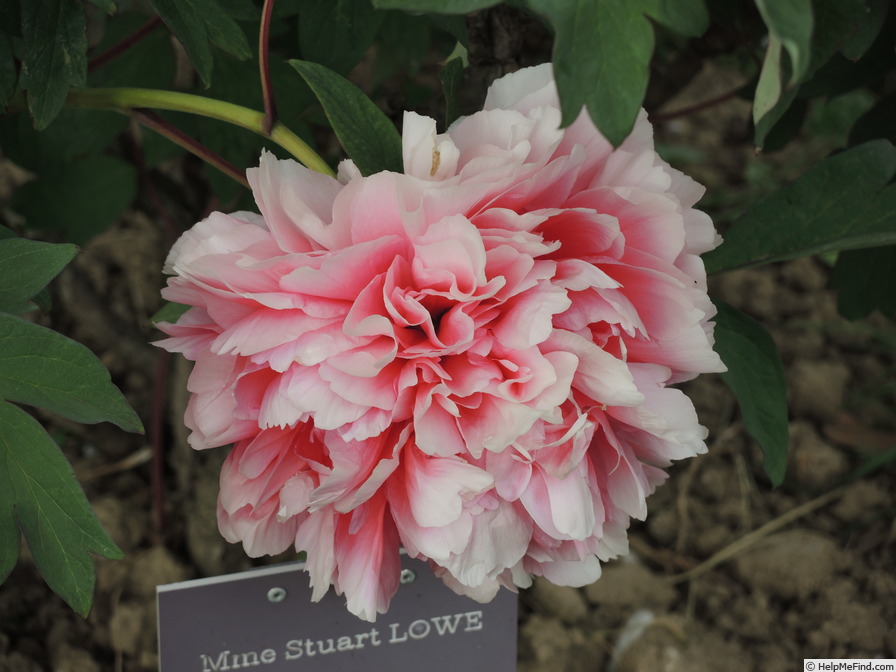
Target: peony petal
297	204
437	487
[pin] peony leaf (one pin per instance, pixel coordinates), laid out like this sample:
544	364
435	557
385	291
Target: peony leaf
54	33
451	76
149	63
351	27
878	122
9	530
40	367
756	377
47	151
685	17
26	267
366	134
107	6
845	202
438	6
170	312
602	52
865	280
847	26
223	31
456	26
244	10
190	31
195	23
83	200
42	298
791	22
39	495
601	56
9	77
867	21
772	99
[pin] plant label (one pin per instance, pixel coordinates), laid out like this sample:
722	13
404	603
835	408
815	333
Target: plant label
264	620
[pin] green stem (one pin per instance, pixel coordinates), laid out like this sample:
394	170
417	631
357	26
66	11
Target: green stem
127	99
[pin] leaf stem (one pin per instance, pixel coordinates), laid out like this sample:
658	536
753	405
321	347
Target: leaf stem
124	45
267	90
152	120
127	99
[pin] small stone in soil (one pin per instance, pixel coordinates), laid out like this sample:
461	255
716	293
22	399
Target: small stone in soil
790	565
630	585
563	602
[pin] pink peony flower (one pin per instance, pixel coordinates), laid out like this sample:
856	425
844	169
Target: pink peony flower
470	360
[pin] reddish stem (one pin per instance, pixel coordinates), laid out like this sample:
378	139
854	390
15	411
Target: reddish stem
152	120
697	107
124	45
267	90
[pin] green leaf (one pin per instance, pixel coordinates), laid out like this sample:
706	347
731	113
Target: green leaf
45	151
242	10
402	45
756	377
839	75
40	493
149	63
10	19
9	77
190	31
867	23
195	23
223	31
40	367
878	122
768	89
845	202
847	26
601	55
170	312
351	26
107	6
55	58
436	6
865	280
791	22
366	134
454	25
9	529
773	98
452	76
685	17
83	200
787	127
26	267
42	298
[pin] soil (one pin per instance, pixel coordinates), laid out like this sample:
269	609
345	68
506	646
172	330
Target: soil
726	573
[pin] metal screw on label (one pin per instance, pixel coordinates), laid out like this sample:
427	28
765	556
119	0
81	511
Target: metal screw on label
276	594
407	576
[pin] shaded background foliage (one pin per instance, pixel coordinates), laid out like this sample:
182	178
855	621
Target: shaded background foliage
822	72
